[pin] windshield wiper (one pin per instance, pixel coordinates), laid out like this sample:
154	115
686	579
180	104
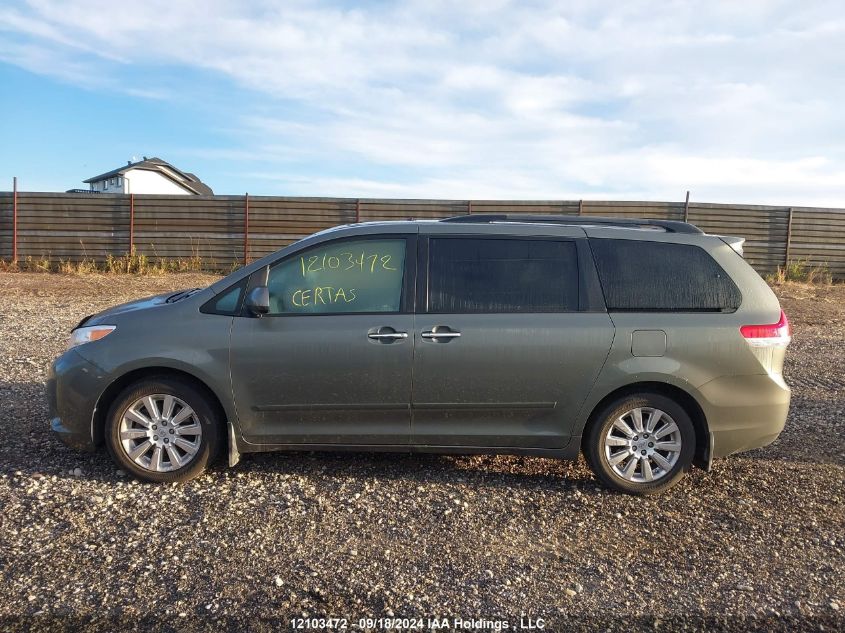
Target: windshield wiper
181	295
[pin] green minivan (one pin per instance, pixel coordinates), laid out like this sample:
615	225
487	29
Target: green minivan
645	344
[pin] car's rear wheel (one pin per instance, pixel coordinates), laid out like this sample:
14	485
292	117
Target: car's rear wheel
641	444
163	430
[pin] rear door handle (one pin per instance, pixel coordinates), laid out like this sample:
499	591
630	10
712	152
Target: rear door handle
441	333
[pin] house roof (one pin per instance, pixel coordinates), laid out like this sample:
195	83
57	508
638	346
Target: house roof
184	179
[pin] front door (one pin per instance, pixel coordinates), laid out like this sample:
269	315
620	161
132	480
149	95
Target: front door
505	356
331	363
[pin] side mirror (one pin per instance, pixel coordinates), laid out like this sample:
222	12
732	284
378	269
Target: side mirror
258	300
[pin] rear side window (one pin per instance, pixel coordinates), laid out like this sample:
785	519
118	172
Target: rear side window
658	276
478	275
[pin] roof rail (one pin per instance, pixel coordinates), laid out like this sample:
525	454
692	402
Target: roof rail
670	226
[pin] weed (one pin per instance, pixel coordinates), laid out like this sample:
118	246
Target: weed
133	263
801	271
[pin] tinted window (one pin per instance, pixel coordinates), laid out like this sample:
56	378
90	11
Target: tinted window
653	276
227	302
342	276
502	275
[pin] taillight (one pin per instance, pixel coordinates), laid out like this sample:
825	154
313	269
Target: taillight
774	334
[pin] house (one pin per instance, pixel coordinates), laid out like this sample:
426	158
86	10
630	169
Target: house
151	175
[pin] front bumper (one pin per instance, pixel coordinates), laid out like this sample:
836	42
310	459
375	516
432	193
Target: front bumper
73	387
744	412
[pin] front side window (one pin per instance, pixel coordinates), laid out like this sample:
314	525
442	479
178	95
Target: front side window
340	277
477	275
227	302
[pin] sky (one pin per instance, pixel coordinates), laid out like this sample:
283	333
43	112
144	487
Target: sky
637	100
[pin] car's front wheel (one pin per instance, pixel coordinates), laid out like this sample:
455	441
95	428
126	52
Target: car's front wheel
162	429
641	444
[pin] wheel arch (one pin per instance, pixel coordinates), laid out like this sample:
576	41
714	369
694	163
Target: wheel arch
110	393
702	456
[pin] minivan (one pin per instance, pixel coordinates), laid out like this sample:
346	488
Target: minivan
647	345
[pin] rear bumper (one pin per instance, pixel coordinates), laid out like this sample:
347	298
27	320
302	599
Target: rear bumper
744	412
73	386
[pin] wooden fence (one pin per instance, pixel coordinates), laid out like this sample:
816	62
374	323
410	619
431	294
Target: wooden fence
222	230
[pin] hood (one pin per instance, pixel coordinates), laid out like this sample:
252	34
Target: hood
138	304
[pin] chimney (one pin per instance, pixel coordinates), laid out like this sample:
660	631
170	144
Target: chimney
128	162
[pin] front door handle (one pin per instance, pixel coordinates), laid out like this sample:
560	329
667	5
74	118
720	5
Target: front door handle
442	333
386	334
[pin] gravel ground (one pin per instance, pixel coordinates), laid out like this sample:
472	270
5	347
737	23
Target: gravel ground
758	543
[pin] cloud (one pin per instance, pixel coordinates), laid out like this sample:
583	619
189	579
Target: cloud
736	101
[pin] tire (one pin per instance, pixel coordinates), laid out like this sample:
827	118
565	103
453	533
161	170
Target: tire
186	442
647	469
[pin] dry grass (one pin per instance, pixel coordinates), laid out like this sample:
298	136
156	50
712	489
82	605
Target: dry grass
801	271
129	263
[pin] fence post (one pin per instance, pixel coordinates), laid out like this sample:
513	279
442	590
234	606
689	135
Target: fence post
131	224
686	208
357	210
469	207
581	207
246	229
15	219
788	239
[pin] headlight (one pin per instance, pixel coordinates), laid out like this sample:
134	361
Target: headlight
87	334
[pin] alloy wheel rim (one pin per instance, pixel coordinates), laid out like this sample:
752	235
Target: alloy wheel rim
643	445
160	433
